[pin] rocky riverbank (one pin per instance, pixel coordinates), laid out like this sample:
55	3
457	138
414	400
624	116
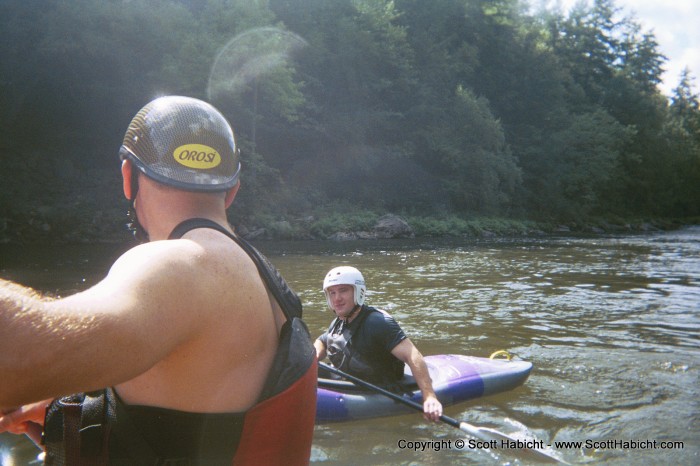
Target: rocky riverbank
106	227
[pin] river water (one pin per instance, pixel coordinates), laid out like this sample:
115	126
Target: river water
611	324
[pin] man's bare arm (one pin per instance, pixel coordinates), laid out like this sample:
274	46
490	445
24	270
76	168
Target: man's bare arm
407	352
107	334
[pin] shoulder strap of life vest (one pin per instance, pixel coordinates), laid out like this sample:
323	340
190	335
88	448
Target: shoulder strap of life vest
279	428
348	353
287	299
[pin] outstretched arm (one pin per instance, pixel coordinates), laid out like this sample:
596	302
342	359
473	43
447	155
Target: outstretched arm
103	336
407	352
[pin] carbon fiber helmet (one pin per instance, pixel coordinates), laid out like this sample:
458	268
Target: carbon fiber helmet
346	275
184	143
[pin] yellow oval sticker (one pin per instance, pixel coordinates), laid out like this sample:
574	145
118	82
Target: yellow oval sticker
197	156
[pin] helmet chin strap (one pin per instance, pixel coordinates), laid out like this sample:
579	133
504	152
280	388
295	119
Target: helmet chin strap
345	322
353	312
134	226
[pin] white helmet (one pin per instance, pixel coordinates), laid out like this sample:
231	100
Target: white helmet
345	275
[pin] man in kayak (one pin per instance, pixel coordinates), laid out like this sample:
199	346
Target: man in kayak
191	350
368	343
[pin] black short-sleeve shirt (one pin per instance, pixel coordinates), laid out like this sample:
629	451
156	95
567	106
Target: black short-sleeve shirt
374	335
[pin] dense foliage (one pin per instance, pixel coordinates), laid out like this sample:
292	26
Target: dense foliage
427	108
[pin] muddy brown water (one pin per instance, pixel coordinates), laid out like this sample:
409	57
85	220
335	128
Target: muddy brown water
611	324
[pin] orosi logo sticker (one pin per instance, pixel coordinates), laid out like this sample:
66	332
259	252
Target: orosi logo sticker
197	156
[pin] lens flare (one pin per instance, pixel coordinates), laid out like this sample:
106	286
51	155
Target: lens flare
249	56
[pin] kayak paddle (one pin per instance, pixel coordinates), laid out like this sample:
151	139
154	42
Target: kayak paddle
483	433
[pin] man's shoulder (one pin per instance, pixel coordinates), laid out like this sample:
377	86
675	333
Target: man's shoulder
378	318
380	328
194	263
378	314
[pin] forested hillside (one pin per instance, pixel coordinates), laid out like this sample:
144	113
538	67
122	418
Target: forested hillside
350	108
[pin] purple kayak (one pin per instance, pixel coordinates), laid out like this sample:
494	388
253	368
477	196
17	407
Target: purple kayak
456	378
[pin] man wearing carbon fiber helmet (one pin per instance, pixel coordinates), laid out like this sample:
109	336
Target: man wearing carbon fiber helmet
368	343
191	350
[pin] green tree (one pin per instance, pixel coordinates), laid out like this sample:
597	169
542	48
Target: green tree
472	157
358	82
583	157
493	109
682	133
587	44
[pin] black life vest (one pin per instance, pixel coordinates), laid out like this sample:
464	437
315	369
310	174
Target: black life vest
278	430
344	353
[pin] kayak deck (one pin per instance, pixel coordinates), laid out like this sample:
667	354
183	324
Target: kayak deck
456	378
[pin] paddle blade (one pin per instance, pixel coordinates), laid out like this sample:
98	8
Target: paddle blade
499	441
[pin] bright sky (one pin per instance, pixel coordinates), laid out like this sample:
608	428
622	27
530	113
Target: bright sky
676	26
